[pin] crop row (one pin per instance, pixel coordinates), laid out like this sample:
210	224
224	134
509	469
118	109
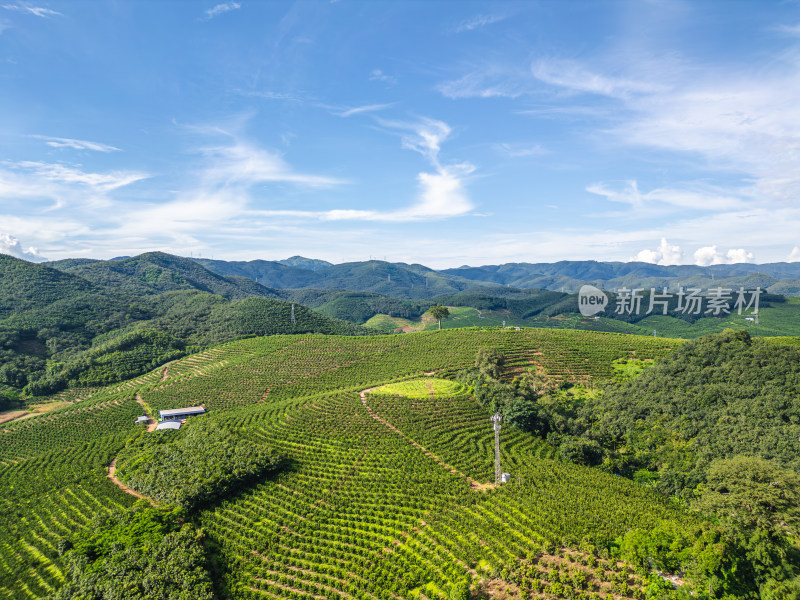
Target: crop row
252	371
365	513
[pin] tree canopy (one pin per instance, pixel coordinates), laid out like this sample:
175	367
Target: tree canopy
439	313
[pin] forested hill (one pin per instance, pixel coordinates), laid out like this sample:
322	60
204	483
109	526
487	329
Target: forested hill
402	280
713	398
104	321
156	272
399	280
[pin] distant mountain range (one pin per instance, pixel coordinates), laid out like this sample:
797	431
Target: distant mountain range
401	280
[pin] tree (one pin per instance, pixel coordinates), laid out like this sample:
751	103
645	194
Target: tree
489	363
752	494
439	313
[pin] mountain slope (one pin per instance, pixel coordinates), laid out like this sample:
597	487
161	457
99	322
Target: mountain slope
58	328
398	280
156	272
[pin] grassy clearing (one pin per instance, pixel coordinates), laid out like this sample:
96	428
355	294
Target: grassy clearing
422	388
387	323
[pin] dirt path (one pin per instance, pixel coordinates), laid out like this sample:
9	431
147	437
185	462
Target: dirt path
151	422
475	485
112	470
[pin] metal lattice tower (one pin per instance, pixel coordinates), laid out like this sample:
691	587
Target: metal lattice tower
293	320
496	418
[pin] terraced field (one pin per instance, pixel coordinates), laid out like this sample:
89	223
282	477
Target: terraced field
388	497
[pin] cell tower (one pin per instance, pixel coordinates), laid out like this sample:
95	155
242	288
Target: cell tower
498	473
292	314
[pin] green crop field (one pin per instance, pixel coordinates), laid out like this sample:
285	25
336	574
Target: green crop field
387	494
422	388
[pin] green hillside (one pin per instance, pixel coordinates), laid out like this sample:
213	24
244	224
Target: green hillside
117	319
156	272
379	496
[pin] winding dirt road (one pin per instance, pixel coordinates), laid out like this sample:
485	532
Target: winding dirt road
112	468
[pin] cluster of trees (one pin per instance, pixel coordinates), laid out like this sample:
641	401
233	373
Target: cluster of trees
143	552
750	552
716	423
196	465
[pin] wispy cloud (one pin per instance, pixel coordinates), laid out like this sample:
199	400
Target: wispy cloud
520	150
220	9
57	142
441	194
424	136
245	164
365	109
379	75
39	11
477	22
59	173
792	30
667	199
577	77
488	81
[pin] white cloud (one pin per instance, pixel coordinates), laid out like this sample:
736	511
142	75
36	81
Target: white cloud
102	182
37	187
520	150
424	136
379	75
795	255
665	254
739	255
364	109
245	164
491	81
221	9
441	195
11	245
664	200
792	30
478	21
57	142
575	76
745	121
39	11
709	255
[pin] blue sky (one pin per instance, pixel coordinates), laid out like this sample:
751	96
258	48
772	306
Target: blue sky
444	133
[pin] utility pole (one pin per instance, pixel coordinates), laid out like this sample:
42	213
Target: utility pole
496	418
293	314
